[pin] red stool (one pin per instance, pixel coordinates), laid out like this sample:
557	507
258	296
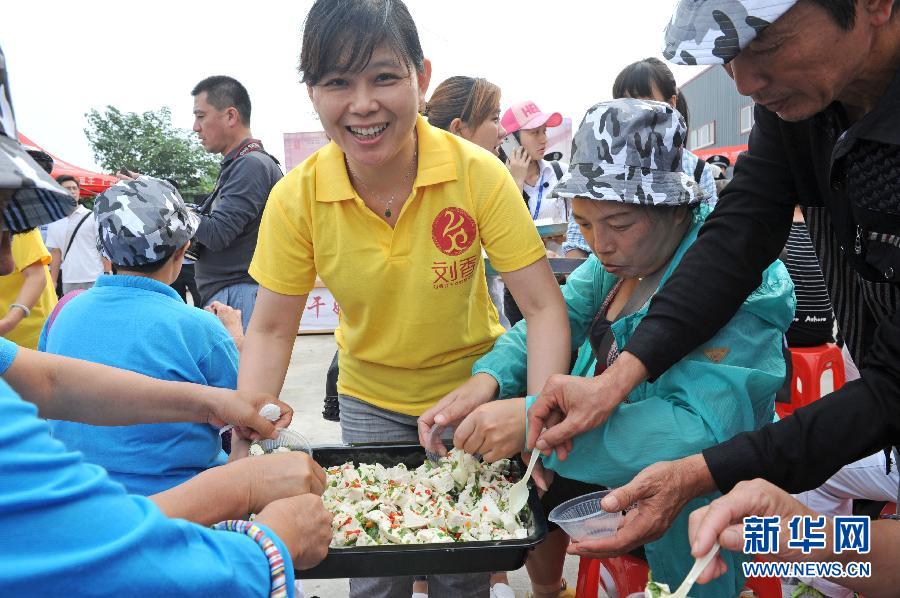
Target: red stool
764	587
890	508
619	576
624	575
809	363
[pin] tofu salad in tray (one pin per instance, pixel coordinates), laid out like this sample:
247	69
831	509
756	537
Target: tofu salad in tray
398	513
458	499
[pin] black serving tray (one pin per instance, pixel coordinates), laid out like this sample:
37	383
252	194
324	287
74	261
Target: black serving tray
420	559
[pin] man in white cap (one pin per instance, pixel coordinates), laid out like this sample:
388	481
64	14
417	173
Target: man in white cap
825	79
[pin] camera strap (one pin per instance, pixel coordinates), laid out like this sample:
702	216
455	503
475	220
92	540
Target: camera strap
247	147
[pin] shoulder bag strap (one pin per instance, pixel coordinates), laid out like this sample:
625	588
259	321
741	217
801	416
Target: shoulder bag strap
698	170
72	238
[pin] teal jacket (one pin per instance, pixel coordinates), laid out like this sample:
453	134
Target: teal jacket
723	387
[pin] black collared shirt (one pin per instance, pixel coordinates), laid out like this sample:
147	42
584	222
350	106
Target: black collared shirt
807	162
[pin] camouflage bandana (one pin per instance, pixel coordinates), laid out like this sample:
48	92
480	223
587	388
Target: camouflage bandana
630	151
715	31
37	198
142	221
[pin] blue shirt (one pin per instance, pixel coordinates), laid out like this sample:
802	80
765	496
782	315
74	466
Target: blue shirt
574	238
139	324
69	528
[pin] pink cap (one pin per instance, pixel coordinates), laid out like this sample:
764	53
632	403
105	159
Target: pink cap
526	115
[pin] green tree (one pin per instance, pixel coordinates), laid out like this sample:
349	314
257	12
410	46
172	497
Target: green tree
148	143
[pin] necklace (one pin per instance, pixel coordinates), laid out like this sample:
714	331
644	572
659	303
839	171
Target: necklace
409	176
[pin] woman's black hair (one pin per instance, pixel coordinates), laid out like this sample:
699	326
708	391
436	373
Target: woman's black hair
638	78
682	106
341	35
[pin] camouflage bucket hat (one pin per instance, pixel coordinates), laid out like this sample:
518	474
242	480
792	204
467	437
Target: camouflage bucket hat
37	199
630	151
142	221
715	31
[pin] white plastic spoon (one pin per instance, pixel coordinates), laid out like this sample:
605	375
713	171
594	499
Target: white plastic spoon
699	565
518	494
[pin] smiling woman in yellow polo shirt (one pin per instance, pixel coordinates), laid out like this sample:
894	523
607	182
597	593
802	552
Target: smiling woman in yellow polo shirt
393	215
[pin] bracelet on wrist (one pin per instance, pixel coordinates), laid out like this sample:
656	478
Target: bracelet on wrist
278	587
24	308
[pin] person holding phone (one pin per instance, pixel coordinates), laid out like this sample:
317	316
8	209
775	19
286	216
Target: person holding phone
524	148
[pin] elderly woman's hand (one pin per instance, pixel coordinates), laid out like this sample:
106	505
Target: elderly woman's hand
303	524
495	430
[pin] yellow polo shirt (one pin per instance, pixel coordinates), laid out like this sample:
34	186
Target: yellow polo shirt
415	310
27	248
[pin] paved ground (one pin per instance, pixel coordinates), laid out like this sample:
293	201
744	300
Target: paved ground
304	390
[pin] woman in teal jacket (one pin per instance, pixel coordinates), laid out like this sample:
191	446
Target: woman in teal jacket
639	213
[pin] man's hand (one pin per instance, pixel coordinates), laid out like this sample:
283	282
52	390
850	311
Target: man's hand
454	407
660	492
495	430
241	409
303	524
571	405
281	475
723	519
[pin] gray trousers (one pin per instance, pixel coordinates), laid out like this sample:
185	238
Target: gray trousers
75	286
361	422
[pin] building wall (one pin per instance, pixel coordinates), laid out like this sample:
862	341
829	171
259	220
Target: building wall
712	97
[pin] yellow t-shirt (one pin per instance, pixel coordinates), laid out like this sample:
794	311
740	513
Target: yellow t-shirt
415	310
27	248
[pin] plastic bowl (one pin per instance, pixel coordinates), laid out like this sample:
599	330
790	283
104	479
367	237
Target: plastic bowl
289	439
582	517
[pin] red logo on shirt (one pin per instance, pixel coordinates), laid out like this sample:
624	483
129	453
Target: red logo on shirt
453	231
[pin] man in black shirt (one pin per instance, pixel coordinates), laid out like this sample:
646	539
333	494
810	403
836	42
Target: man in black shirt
825	75
230	216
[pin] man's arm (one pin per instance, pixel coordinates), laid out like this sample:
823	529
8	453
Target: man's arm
234	490
745	233
67	389
55	263
802	451
241	201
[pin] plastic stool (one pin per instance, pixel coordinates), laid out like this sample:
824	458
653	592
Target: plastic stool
619	576
764	587
809	363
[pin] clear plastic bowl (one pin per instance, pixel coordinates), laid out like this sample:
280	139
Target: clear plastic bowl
289	439
582	517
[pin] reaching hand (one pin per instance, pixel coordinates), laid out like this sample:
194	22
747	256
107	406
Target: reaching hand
303	524
660	492
570	405
495	430
722	520
241	409
230	318
282	475
454	407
